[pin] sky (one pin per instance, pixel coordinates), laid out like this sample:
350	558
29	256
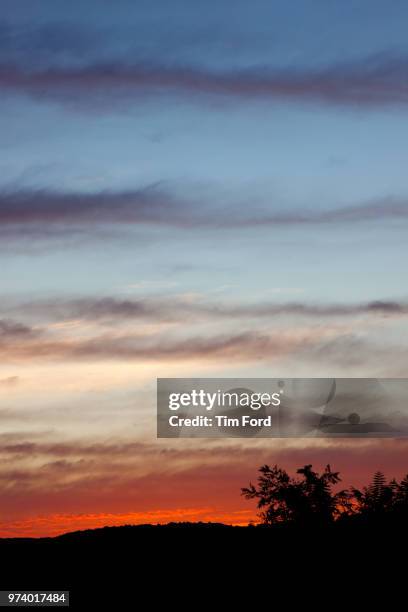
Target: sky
191	190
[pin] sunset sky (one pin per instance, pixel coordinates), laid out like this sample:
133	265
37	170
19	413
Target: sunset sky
191	189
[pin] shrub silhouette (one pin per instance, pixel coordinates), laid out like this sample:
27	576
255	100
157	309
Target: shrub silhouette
311	500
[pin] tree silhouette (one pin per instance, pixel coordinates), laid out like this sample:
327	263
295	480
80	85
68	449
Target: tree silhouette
299	501
311	500
376	499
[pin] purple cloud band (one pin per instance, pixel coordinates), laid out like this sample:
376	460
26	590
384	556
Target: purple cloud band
375	81
40	213
165	309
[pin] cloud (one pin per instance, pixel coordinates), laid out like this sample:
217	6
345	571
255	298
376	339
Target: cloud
172	309
242	346
14	329
51	214
321	346
39	207
372	82
104	329
172	329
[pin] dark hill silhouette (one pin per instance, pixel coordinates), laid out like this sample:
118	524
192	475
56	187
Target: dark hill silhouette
130	564
115	531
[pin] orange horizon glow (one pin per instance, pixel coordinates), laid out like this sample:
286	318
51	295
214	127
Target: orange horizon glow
56	524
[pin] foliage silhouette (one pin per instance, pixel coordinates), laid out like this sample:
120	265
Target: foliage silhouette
284	499
311	499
